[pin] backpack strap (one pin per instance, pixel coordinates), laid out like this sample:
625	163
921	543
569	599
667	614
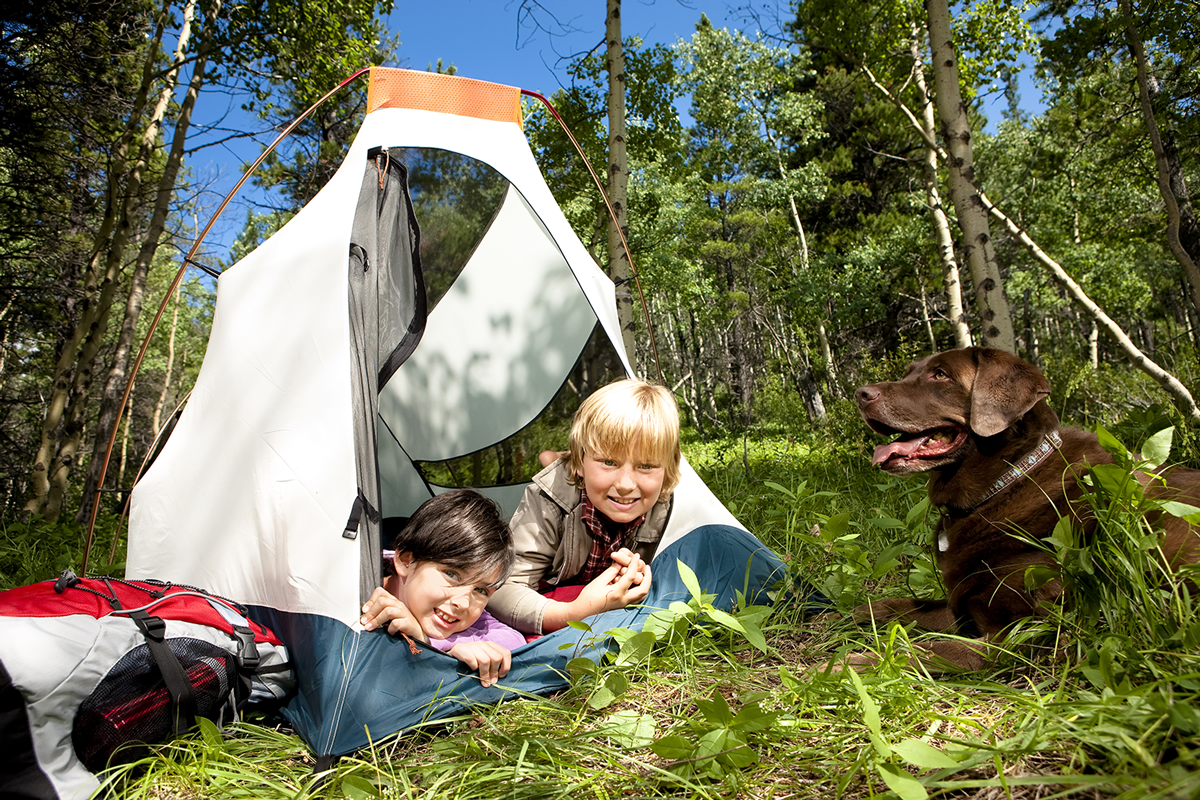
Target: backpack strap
247	663
153	629
178	685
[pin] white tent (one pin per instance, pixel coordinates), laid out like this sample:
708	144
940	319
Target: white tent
324	394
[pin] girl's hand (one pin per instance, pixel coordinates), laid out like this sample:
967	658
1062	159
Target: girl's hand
490	659
383	609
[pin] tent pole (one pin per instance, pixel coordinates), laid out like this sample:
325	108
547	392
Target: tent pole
87	546
613	215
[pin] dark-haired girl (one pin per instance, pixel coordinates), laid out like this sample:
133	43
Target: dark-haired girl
446	564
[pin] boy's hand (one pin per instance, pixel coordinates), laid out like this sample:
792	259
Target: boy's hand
625	557
622	584
383	609
626	582
492	660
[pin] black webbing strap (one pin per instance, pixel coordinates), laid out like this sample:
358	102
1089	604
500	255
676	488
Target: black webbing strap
247	660
361	505
183	699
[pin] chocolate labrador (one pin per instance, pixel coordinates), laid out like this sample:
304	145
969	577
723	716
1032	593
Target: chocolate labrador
999	464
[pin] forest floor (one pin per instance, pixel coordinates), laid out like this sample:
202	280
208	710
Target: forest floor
1100	702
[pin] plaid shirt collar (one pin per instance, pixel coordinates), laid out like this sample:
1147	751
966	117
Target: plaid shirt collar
607	538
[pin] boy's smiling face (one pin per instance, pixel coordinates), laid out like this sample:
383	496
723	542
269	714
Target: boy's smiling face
622	487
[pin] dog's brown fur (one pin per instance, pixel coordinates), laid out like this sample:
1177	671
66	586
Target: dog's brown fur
965	416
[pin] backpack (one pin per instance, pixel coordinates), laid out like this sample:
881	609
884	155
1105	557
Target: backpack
93	669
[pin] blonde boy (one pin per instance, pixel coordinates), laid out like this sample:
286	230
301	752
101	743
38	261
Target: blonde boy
589	524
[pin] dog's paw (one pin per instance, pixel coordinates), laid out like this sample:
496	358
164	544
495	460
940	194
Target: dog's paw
860	661
930	615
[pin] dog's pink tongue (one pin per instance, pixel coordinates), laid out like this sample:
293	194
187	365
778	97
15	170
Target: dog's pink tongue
902	448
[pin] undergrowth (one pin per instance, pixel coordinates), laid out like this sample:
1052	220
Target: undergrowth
1097	700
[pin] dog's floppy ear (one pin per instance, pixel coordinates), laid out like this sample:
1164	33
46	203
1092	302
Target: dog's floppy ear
1005	388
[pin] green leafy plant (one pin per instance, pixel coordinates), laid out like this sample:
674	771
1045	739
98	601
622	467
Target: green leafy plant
604	683
891	759
718	739
1119	583
746	621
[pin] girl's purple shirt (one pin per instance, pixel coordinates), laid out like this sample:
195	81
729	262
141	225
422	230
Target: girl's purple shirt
486	629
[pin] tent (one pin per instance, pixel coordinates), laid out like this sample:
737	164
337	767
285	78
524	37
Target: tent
394	340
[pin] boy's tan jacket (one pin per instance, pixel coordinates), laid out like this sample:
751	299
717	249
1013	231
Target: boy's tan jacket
552	545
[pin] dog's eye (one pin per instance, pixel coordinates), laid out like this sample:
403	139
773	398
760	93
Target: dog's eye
939	375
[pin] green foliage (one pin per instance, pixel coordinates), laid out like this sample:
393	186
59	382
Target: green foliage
314	51
718	740
685	628
890	760
653	134
699	615
1124	401
37	550
992	36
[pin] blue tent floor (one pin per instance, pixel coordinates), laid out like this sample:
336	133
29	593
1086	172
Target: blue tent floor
357	687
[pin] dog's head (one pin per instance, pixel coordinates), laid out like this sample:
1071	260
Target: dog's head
945	399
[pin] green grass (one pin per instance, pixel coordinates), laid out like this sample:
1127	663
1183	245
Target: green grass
1097	701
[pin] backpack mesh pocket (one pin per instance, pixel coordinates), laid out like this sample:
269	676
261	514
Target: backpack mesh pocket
132	704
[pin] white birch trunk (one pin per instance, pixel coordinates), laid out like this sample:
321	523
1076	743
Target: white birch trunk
995	318
951	282
115	382
618	176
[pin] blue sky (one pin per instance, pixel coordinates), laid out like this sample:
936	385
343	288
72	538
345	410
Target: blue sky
483	39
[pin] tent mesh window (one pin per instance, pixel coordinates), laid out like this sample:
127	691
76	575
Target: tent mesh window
132	704
515	459
455	198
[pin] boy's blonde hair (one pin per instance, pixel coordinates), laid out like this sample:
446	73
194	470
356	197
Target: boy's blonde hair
621	414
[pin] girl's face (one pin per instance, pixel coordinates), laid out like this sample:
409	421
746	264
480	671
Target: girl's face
622	487
442	598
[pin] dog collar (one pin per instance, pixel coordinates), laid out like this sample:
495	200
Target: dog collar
1018	470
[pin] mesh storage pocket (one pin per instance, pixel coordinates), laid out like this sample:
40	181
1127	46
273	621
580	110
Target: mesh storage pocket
132	704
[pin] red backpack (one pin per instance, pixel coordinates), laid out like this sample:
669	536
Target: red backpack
92	669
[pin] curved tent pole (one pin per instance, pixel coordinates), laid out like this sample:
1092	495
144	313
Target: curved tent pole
87	547
612	215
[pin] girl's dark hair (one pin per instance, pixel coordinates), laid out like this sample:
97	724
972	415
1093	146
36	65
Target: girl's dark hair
461	529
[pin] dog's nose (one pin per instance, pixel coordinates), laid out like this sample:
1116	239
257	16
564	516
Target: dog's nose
866	394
